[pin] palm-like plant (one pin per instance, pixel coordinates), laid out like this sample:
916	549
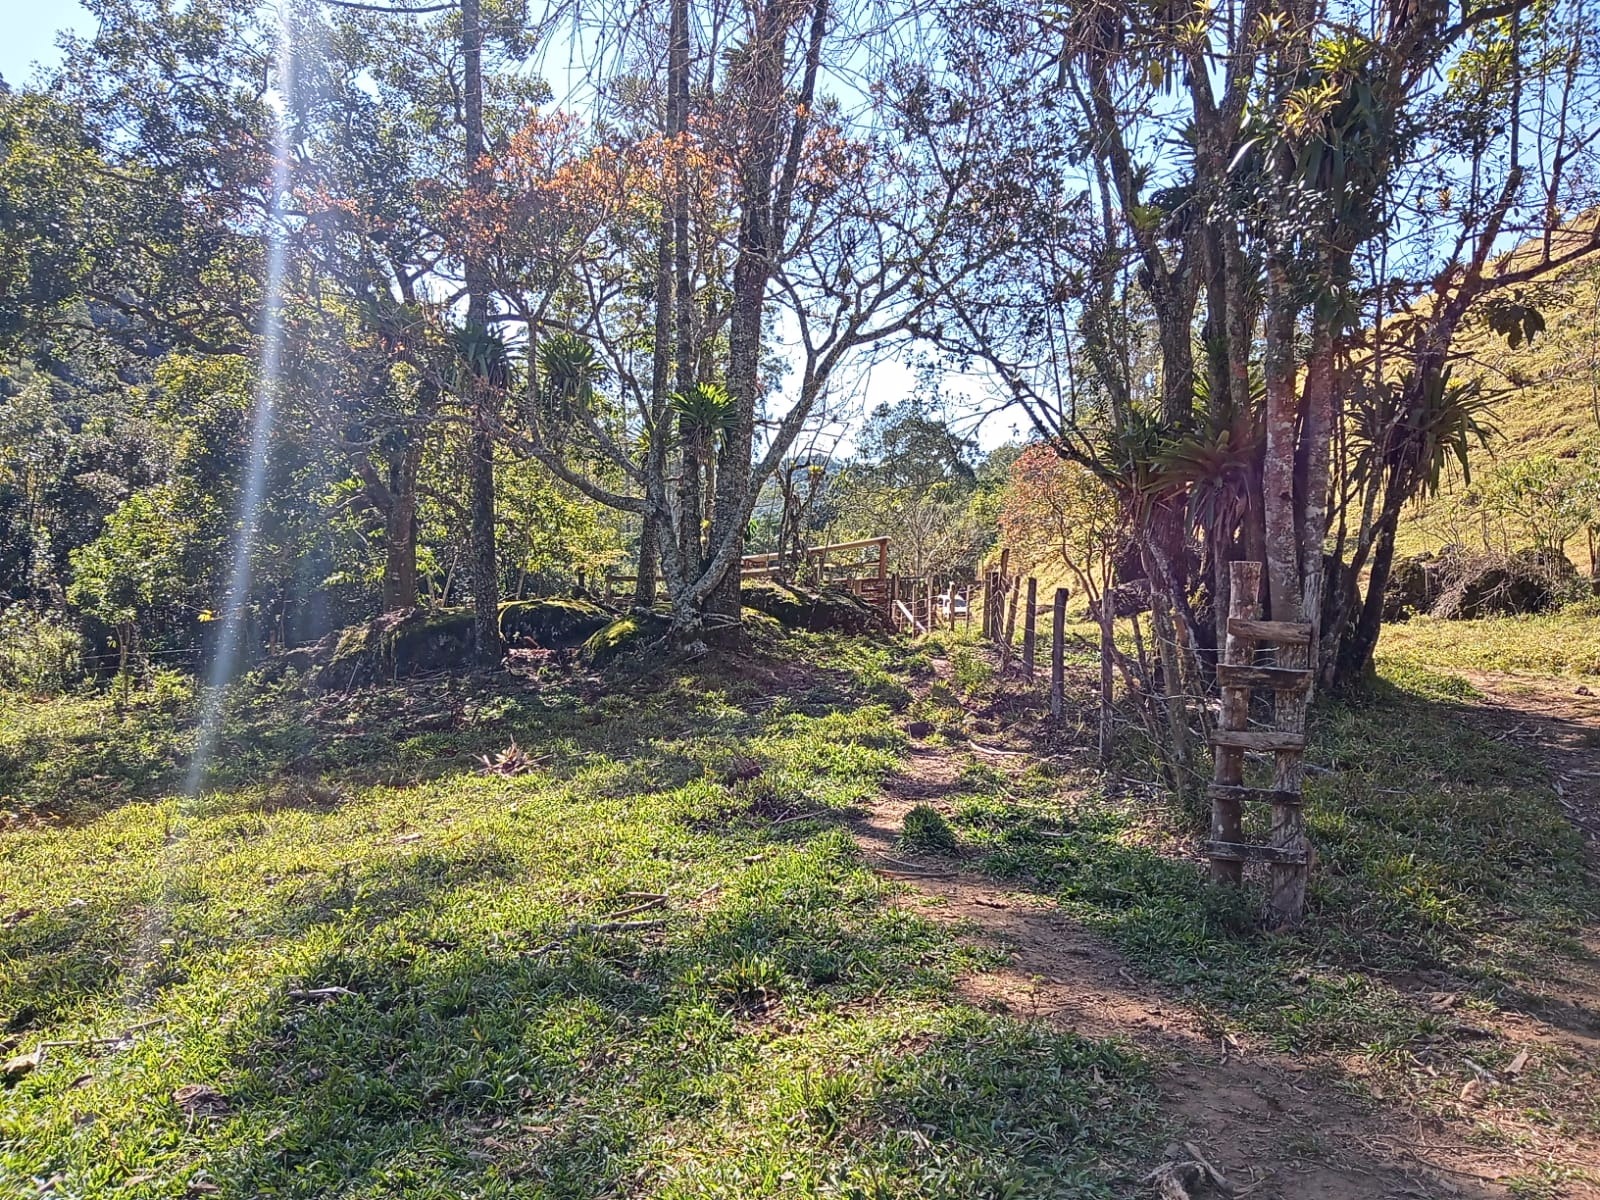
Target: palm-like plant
483	355
1410	430
569	368
705	412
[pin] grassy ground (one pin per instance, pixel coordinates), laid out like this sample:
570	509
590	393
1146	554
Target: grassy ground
653	964
1566	642
1448	892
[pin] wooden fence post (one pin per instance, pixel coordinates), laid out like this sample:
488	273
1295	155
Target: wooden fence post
1292	861
988	604
933	609
1008	632
1029	627
1058	646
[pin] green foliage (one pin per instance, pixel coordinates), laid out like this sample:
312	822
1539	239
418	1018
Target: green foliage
970	670
547	530
483	355
1540	501
134	570
1513	319
38	653
1413	433
704	411
924	829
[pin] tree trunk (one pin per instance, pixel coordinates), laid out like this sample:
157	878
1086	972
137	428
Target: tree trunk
480	454
400	559
1358	645
644	588
400	533
752	269
1278	465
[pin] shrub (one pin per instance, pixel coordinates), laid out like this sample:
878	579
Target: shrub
38	654
969	670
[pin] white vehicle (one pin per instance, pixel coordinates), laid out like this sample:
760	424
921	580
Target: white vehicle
952	605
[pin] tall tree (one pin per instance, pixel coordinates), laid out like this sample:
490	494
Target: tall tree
804	215
480	458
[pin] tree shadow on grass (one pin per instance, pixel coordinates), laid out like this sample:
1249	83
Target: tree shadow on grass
791	1034
464	1024
73	761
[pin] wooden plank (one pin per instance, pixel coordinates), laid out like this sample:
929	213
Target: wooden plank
1288	633
1279	679
1227	814
1286	894
1238	792
1243	852
858	544
909	616
1264	739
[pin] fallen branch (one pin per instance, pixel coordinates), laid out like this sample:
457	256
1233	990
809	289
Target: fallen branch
982	749
13	1069
319	993
653	901
1174	1178
905	868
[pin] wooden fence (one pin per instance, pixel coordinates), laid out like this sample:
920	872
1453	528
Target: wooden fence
1286	673
862	568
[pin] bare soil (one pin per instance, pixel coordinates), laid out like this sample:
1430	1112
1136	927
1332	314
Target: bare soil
1276	1127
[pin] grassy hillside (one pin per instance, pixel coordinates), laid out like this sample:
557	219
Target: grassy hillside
1551	404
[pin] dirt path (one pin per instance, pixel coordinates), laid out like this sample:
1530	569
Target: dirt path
1561	719
1276	1129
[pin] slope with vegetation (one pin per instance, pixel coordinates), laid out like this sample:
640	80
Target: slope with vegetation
558	935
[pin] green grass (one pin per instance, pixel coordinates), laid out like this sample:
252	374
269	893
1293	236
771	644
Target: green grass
656	964
924	830
1566	642
1445	866
651	966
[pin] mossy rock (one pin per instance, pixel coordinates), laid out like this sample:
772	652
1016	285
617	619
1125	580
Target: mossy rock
552	623
1414	586
406	642
624	636
761	631
831	610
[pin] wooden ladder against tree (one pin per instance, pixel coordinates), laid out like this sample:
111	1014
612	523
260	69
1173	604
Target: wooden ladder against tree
1289	678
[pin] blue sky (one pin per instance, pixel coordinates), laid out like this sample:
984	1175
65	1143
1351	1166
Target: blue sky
28	33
